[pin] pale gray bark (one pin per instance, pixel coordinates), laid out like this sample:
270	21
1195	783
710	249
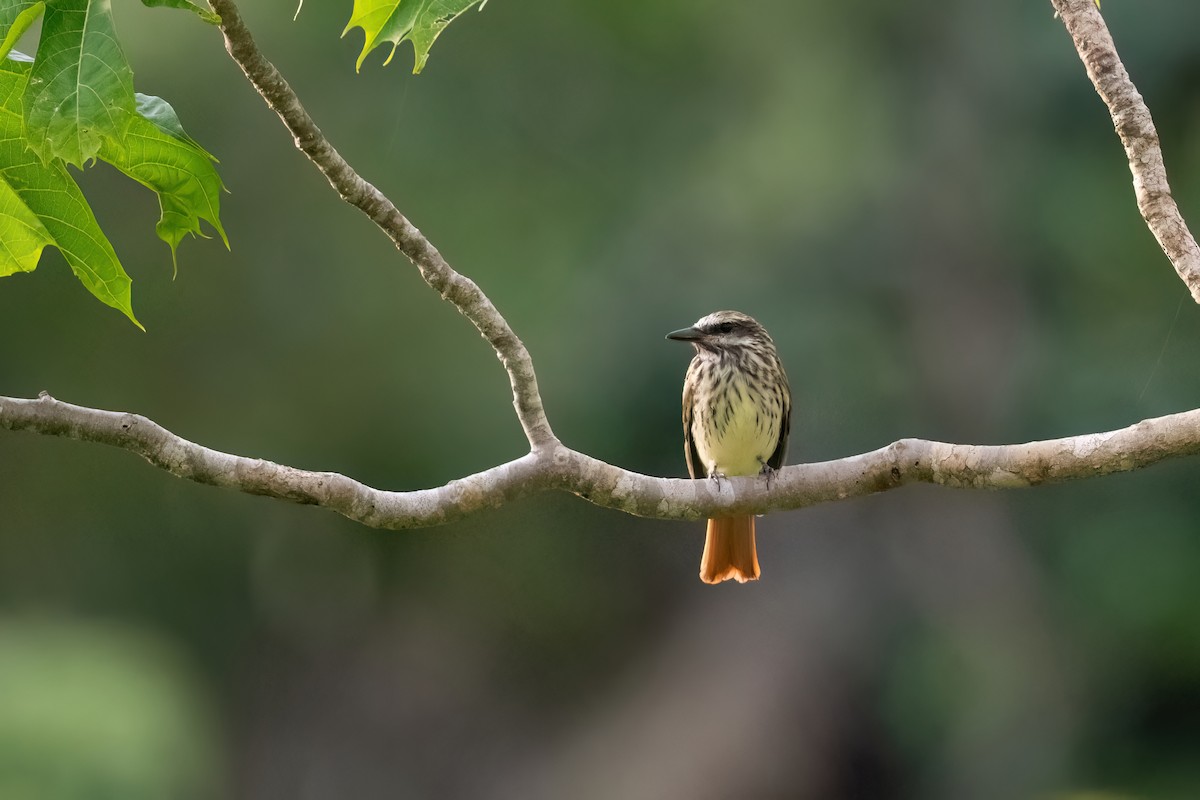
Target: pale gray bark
551	465
454	287
1134	125
559	467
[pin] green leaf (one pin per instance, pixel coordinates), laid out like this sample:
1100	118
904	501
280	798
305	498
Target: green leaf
76	103
27	14
418	21
157	153
159	112
48	193
11	9
81	89
186	5
22	234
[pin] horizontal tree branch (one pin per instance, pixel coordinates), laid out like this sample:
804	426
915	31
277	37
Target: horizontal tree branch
561	468
552	466
1135	127
454	287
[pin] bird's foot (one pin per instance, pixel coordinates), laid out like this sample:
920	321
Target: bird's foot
769	473
717	477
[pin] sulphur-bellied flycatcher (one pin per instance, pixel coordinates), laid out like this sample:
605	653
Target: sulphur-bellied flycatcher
736	416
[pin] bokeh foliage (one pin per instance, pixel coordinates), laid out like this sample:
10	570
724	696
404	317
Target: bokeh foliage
926	205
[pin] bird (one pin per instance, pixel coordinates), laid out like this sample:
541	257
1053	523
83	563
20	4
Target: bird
736	419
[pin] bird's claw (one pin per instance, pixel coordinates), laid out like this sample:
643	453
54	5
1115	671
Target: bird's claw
768	472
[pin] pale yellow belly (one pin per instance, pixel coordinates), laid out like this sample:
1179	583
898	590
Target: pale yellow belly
738	442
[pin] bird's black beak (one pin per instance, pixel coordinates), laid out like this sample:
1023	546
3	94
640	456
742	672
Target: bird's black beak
685	335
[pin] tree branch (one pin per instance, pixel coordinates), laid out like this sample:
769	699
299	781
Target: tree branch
459	290
561	468
1134	125
551	465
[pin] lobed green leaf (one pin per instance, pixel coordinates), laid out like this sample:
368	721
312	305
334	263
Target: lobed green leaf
159	154
418	21
80	91
60	215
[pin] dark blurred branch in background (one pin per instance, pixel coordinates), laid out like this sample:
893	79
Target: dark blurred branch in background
558	467
550	465
1134	125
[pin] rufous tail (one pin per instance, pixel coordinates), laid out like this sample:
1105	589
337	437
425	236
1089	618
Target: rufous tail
729	551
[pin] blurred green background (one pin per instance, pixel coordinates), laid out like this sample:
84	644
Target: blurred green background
926	205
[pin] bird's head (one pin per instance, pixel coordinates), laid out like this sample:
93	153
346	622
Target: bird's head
722	330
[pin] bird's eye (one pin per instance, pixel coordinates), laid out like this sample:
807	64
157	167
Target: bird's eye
725	327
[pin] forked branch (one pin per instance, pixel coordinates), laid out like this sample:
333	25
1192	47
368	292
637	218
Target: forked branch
559	467
551	465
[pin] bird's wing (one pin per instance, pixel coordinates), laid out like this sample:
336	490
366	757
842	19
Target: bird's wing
690	453
776	459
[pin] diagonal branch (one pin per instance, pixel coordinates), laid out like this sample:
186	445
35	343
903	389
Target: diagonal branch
561	468
454	287
1133	123
551	465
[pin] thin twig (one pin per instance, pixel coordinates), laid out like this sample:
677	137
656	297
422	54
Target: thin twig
1134	125
459	290
550	465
